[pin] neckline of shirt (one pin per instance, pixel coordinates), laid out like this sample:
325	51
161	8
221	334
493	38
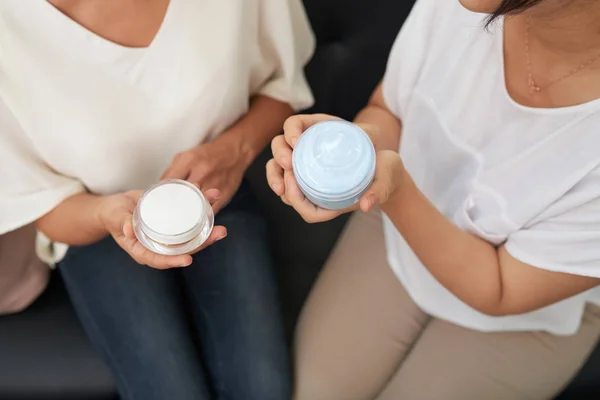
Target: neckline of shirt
592	105
74	31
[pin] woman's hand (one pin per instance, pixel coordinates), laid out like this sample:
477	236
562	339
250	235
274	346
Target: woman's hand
219	164
116	216
389	175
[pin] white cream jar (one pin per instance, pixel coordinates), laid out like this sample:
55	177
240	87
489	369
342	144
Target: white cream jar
173	218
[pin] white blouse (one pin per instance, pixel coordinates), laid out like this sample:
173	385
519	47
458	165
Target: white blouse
78	112
525	177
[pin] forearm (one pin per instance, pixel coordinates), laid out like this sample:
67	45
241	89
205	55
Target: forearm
466	265
255	130
76	221
387	128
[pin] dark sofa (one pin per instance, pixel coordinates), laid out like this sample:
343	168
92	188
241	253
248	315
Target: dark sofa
43	351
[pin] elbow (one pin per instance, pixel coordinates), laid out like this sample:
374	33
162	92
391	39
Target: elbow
490	310
490	302
495	311
44	225
497	307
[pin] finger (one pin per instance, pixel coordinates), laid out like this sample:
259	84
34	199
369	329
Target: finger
177	170
128	241
368	202
294	126
218	206
377	194
121	225
158	261
282	152
285	201
216	199
143	256
218	233
128	229
212	196
292	190
165	174
197	177
275	177
307	210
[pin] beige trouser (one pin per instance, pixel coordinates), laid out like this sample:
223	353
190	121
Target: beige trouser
361	337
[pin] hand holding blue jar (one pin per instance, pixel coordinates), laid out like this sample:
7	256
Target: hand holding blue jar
324	167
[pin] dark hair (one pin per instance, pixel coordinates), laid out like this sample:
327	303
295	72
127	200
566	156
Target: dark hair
511	7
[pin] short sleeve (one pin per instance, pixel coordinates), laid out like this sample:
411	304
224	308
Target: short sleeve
28	187
566	237
286	44
408	56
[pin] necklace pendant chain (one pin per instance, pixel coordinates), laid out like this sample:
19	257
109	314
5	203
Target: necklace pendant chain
534	88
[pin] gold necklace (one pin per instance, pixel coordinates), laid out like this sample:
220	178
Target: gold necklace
533	86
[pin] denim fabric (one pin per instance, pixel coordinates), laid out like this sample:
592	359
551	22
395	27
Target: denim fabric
209	331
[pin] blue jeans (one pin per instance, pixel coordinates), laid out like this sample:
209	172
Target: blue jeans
212	330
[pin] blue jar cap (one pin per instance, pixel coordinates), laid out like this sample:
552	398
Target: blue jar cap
333	160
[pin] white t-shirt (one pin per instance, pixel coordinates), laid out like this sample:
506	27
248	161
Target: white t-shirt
507	173
80	112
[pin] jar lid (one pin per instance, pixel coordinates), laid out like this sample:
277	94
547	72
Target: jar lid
172	212
334	160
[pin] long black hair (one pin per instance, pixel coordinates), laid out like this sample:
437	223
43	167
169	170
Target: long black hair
511	7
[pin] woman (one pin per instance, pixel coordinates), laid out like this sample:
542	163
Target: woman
492	213
100	99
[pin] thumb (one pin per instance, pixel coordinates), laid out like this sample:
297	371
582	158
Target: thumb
118	224
376	195
128	228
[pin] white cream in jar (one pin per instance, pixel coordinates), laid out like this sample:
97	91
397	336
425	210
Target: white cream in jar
173	218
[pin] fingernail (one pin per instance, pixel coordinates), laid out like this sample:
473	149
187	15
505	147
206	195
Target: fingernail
221	237
187	263
294	140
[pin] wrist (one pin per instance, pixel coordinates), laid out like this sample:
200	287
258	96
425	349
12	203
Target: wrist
373	132
102	211
382	126
243	151
402	193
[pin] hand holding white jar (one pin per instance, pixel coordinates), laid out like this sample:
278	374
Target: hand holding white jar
172	218
117	215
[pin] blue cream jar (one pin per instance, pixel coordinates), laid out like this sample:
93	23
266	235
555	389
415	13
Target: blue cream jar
334	164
